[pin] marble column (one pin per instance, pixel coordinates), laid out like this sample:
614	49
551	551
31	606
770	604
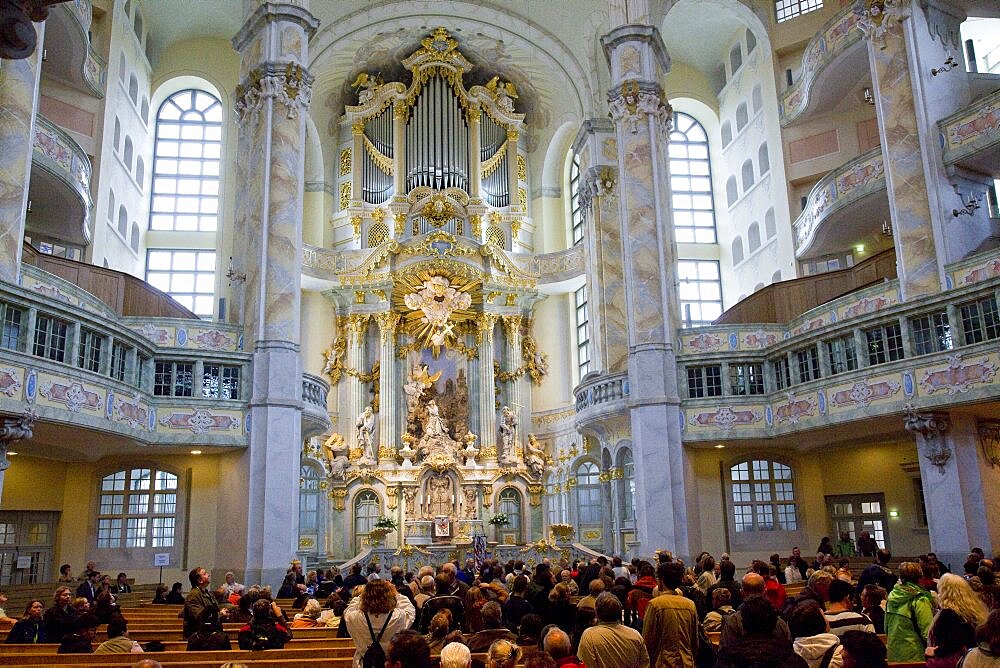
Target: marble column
355	326
515	395
638	61
487	400
272	101
18	103
388	423
472	118
960	487
13	429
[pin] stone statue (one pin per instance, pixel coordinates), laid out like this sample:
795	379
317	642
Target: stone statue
365	426
410	496
508	435
440	489
534	457
335	456
469	508
434	424
367	86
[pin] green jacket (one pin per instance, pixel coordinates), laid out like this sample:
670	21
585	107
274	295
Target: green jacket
844	548
909	610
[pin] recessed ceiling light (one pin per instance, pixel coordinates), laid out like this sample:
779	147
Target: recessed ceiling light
196	452
720	446
11	454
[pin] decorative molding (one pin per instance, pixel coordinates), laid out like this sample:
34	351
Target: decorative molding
633	101
14	428
289	84
879	18
931	426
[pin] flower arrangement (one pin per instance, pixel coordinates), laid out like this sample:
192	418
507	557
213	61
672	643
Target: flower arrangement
499	520
386	523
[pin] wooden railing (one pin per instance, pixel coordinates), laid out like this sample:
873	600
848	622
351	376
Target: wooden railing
786	300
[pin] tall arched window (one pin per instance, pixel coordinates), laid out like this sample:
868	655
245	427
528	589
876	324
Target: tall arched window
137	509
735	58
133	89
117	141
509	503
732	191
763	496
753	237
751	41
111	206
122	220
756	97
366	511
186	161
747	174
140	171
763	160
127	153
588	495
626	490
309	479
737	250
742	117
576	209
769	227
122	69
691	182
133	239
727	133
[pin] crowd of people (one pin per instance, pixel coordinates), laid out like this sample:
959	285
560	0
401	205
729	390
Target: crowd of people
599	614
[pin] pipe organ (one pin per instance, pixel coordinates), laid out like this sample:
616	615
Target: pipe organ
434	143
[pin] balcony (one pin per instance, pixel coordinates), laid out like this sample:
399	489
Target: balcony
970	136
315	418
845	207
957	368
599	396
70	58
834	62
60	187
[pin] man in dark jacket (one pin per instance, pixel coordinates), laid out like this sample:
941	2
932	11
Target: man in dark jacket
82	641
878	573
198	600
443	598
727	580
733	630
493	629
759	644
516	606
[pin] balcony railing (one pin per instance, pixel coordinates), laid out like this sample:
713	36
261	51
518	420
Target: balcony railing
59	164
315	418
76	61
972	131
837	38
853	181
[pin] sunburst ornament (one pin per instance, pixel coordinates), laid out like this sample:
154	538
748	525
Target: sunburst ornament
437	300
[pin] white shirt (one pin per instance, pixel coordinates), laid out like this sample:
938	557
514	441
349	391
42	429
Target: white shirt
357	627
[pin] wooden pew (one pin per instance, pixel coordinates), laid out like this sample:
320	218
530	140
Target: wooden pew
181	645
327	656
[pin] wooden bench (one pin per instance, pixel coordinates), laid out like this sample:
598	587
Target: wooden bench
305	657
181	645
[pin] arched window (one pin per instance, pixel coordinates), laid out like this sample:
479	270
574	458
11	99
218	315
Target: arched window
127	153
309	479
751	41
137	509
727	133
627	488
757	287
776	276
732	191
122	69
763	160
735	58
122	220
134	237
753	237
140	171
742	118
366	511
509	503
117	142
769	227
747	174
111	206
128	7
691	182
763	496
186	161
737	250
137	26
133	89
588	495
576	209
756	98
145	109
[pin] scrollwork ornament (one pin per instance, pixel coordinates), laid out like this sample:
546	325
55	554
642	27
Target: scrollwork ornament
932	427
290	85
631	104
14	428
881	17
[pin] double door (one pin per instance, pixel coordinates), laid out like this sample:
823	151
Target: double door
27	542
854	513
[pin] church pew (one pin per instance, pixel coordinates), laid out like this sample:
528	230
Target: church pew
62	661
326	656
181	645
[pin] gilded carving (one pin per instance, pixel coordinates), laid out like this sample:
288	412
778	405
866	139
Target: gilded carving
881	17
345	195
356	226
338	494
631	104
345	162
522	168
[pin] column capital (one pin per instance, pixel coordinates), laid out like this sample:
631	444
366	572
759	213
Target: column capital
14	428
269	12
931	426
880	18
636	52
288	83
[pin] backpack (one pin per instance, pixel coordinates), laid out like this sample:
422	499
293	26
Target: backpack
374	656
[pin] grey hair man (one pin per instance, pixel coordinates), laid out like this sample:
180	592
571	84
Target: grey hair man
611	644
559	646
456	655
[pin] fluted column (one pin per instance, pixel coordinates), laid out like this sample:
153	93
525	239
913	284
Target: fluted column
512	137
388	424
512	360
487	400
355	325
472	116
272	101
642	118
18	102
400	112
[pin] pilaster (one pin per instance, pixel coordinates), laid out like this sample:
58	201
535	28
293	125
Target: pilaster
388	424
487	399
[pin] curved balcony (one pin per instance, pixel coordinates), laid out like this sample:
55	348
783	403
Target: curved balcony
846	205
69	54
315	418
564	265
600	395
835	60
971	138
60	186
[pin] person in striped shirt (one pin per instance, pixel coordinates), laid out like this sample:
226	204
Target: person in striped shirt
841	614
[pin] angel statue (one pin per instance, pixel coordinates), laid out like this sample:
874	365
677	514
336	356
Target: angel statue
367	86
335	456
503	92
365	426
534	457
508	434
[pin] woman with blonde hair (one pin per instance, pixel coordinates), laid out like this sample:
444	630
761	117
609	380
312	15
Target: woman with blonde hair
953	631
503	654
378	614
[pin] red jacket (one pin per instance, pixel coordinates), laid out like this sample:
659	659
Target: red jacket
774	592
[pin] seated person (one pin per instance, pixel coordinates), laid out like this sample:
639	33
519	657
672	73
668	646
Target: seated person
118	641
493	629
264	631
209	635
81	641
721	609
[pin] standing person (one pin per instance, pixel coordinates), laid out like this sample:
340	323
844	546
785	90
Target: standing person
59	619
867	546
845	546
30	629
376	616
516	606
611	644
198	600
953	630
909	610
66	573
670	628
